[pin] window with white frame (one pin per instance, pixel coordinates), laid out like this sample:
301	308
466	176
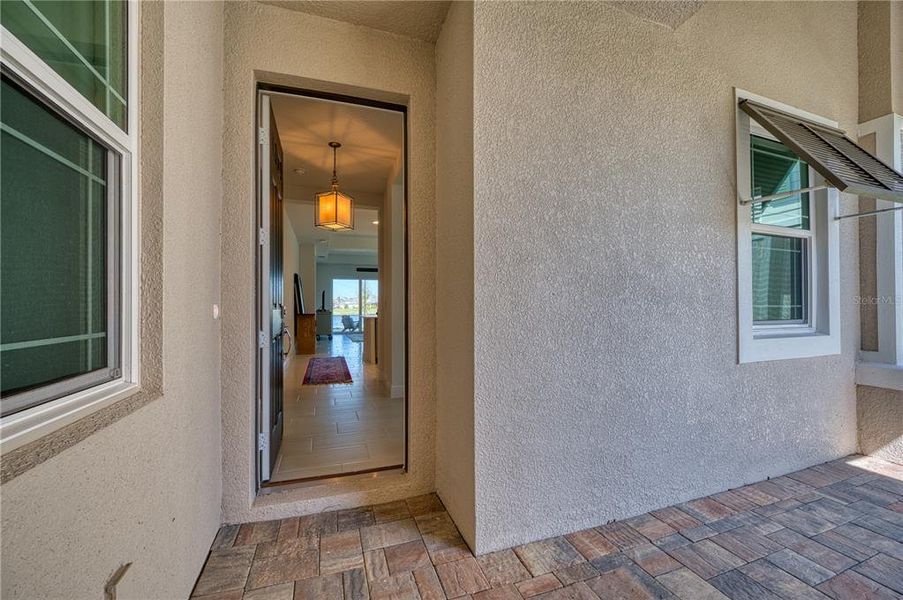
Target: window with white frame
788	299
67	207
782	238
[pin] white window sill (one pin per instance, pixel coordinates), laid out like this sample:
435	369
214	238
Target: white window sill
758	348
880	375
28	425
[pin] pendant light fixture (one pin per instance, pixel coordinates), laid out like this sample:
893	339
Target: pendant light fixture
334	210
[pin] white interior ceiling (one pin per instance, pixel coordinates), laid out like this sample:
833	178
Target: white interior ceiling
362	241
372	145
411	18
371	141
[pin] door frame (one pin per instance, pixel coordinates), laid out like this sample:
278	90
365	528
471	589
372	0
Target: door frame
264	440
263	88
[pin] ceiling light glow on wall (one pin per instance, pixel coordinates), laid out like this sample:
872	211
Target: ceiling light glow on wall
334	210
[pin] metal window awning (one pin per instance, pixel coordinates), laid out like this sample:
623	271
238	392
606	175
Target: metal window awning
844	164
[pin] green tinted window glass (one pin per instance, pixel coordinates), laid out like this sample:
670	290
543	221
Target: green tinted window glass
82	40
776	169
53	247
778	273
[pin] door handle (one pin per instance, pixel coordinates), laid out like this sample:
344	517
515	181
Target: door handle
291	341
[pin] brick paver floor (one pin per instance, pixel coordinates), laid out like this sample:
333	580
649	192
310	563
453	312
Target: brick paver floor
834	530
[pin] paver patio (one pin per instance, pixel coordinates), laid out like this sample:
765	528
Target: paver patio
833	530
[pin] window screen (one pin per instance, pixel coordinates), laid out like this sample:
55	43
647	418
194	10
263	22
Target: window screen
780	263
778	278
58	232
82	40
775	169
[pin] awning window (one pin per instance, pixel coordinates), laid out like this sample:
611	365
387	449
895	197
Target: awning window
842	162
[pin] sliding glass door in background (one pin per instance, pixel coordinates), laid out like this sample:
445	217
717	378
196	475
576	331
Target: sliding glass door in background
353	299
346	302
369	297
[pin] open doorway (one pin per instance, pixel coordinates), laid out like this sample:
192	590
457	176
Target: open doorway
332	287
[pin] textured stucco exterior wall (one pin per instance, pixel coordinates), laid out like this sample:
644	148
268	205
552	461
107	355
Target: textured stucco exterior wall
880	58
880	414
606	379
868	266
146	489
305	51
454	267
896	55
875	76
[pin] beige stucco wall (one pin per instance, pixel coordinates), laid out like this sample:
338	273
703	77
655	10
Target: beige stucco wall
875	77
880	421
868	267
454	267
880	58
293	48
147	488
606	380
896	55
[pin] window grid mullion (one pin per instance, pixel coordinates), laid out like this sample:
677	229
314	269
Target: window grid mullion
106	39
47	87
62	94
43	149
777	230
75	52
89	246
61	402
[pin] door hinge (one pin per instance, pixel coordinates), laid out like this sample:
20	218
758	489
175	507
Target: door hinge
262	442
261	135
261	340
261	236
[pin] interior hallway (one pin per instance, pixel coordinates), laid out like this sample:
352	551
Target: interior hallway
830	531
334	429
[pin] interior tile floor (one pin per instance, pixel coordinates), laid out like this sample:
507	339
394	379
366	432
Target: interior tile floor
834	530
336	429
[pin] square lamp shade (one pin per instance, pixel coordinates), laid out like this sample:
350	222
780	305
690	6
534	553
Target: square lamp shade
334	210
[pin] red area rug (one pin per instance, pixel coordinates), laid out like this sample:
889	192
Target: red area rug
327	370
